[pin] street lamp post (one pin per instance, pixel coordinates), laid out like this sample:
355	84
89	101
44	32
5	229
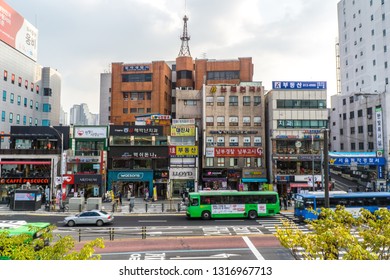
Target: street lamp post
61	135
326	168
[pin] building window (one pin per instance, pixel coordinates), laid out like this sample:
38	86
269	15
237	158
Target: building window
36	106
223	75
257	141
133	110
233	141
246	121
256	100
19	100
233	162
210	101
11	117
360	129
257	121
221	121
209	162
353	146
257	162
17	119
11	98
247	162
247	141
220	162
233	121
3	116
24	120
209	141
233	100
190	102
209	121
352	115
352	129
4	95
246	101
125	110
220	100
221	141
361	146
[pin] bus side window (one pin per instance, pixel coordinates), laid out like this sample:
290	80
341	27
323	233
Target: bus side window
195	202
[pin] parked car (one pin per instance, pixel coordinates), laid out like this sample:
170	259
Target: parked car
91	217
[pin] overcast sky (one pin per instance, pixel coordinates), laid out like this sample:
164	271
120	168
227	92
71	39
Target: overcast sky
290	40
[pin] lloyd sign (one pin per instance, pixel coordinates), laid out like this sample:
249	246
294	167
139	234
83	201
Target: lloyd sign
182	173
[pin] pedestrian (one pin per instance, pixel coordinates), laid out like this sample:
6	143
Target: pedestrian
146	194
285	202
349	189
120	198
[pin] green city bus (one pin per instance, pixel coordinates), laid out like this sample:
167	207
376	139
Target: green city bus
232	204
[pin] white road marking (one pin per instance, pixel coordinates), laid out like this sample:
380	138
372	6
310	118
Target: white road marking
252	248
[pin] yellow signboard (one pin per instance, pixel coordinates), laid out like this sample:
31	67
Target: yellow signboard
182	130
183	151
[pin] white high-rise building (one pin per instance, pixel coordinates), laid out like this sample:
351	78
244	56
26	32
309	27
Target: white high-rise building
30	93
360	110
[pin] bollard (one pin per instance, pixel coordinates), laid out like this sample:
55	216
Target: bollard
143	232
146	207
79	207
79	235
97	206
162	207
113	207
178	207
130	208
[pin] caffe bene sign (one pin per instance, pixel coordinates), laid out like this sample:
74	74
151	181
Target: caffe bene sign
182	173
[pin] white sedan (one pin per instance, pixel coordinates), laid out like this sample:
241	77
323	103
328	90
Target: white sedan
91	217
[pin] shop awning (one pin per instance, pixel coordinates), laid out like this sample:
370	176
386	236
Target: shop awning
25	162
254	180
299	185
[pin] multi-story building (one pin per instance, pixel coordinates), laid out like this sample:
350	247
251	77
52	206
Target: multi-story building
184	157
233	137
105	99
297	121
80	115
30	93
36	158
359	114
138	160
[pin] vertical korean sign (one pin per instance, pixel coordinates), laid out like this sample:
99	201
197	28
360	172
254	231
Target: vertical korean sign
379	129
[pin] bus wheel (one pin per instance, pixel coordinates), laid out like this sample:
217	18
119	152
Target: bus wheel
252	214
206	215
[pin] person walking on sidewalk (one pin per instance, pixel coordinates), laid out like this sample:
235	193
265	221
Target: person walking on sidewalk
285	202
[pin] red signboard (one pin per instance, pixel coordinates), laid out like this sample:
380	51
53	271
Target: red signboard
238	152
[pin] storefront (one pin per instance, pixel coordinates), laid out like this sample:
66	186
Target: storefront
214	179
234	179
161	179
182	181
87	185
253	179
131	183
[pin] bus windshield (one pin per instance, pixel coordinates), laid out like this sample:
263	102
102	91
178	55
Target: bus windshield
232	204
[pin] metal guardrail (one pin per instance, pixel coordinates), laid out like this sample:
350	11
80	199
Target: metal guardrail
111	233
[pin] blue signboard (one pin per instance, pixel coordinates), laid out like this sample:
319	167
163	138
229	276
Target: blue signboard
297	85
347	161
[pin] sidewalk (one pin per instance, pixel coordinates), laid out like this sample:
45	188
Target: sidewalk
140	207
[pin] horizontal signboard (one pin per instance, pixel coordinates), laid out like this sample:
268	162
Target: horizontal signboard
183	151
298	85
234	152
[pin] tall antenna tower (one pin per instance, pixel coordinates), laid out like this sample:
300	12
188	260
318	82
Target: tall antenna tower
185	48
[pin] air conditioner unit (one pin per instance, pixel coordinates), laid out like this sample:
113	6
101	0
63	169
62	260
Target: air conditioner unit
370	133
369	116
